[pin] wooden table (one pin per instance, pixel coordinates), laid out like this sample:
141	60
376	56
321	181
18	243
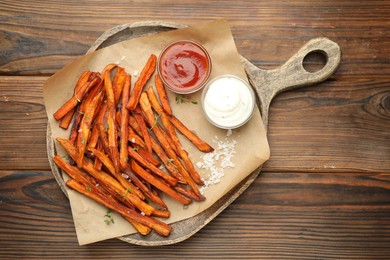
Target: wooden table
324	193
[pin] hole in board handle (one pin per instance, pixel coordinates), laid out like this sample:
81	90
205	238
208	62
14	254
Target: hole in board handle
315	61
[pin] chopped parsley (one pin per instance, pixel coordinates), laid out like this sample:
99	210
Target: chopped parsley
170	161
156	117
180	99
127	191
108	217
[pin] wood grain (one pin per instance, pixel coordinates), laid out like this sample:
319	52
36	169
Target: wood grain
334	126
279	216
40	38
324	193
23	123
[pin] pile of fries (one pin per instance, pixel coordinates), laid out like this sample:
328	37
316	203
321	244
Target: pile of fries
124	147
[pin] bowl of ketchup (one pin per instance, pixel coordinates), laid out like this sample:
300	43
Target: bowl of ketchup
184	66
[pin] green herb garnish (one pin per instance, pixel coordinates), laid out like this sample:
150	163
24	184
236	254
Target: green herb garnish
106	128
180	99
170	161
127	191
156	117
108	217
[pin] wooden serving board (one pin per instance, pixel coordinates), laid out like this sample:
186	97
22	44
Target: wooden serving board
267	84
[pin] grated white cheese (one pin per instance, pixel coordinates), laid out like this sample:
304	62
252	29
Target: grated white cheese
216	161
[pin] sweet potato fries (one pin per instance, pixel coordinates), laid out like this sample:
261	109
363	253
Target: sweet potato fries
124	149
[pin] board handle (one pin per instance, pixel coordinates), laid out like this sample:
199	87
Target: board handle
292	74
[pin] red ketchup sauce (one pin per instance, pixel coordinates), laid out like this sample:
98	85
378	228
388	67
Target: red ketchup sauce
184	66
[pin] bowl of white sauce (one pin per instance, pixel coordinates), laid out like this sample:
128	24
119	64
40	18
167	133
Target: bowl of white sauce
228	101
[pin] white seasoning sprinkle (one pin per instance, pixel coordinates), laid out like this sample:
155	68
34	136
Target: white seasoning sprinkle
229	132
119	61
217	161
142	213
135	73
125	176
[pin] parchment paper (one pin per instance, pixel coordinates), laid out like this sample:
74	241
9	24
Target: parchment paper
251	149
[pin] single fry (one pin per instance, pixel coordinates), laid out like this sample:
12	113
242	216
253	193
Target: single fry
144	129
162	95
118	84
168	139
108	68
154	101
145	75
199	143
148	156
142	229
135	139
161	213
102	131
112	130
97	164
112	143
189	194
67	119
124	124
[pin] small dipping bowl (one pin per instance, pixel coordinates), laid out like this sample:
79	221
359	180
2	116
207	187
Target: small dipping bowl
228	101
184	66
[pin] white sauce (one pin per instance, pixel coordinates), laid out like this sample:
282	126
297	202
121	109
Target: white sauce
228	102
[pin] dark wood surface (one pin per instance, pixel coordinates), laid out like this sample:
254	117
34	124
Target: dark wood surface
324	193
